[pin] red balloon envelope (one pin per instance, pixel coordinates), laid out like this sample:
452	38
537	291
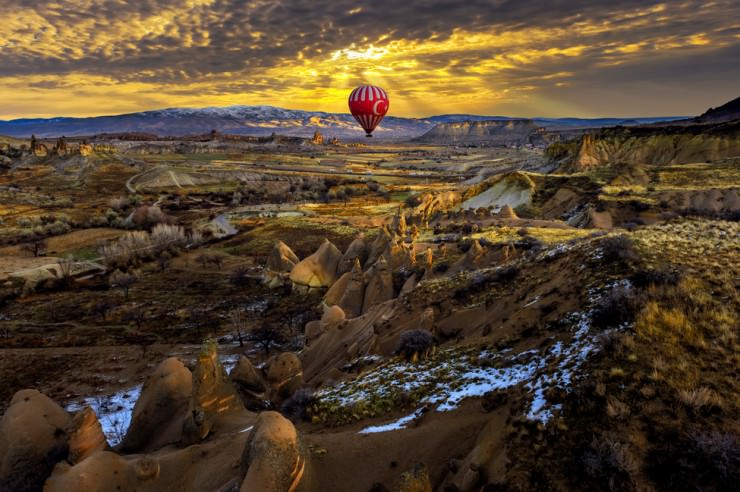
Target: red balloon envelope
368	105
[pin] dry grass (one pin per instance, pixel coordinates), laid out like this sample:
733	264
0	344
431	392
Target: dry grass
545	234
700	398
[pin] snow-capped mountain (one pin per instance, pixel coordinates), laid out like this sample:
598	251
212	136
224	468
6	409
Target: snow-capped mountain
258	120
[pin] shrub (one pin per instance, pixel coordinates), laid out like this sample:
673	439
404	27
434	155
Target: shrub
239	276
618	249
612	463
414	344
122	281
529	243
505	274
37	246
620	305
645	278
119	203
716	456
298	406
164	236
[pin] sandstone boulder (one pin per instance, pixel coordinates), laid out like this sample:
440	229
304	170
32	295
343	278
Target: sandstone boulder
161	409
281	259
353	297
212	395
85	436
318	270
358	249
249	383
284	376
273	460
380	247
507	212
378	284
103	471
33	438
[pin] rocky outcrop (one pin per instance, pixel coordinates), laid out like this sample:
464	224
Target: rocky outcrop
318	270
513	189
250	384
85	436
281	259
589	218
654	145
317	139
284	376
473	259
357	250
280	263
353	296
273	460
378	284
507	212
213	395
106	471
435	202
161	409
33	438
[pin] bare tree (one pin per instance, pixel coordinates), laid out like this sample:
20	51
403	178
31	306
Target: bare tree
238	319
122	281
163	261
37	246
137	315
239	276
66	268
267	336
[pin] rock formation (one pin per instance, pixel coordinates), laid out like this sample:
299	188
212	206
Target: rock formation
358	249
212	396
353	297
513	189
33	438
161	409
105	470
250	384
507	212
378	284
589	218
318	270
85	436
273	460
284	376
280	263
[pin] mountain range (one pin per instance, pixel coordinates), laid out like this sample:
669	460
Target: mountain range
265	120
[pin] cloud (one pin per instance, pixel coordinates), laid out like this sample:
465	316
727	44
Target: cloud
433	56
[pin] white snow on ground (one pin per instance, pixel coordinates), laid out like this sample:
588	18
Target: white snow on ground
397	425
451	376
113	411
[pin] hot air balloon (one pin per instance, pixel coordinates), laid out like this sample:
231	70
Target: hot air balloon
368	104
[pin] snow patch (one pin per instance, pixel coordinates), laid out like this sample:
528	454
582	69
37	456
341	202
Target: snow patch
113	411
397	425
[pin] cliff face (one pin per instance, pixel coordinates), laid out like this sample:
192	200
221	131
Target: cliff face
492	132
655	146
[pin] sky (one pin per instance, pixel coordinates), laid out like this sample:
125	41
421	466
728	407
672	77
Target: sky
555	58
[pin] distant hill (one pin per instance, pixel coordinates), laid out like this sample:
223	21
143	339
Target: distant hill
264	120
491	132
727	112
